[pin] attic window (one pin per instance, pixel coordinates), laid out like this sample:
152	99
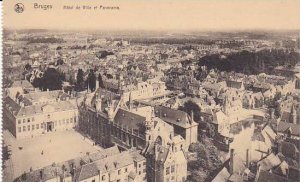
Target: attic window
178	120
165	115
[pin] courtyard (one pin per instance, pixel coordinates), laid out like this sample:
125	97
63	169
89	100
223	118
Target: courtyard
35	153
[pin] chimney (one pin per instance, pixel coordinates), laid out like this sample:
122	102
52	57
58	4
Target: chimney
47	89
231	161
192	115
272	113
173	147
247	158
41	174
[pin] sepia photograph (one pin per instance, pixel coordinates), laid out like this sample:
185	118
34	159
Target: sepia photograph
150	91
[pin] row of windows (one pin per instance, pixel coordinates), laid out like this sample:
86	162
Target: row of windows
30	127
119	173
28	120
168	169
64	121
25	120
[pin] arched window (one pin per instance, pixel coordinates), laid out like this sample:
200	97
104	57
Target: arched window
158	140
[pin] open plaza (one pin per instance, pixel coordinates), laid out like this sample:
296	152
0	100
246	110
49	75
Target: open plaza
35	153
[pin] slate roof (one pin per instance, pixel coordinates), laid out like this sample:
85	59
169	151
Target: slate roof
127	118
21	83
173	116
269	162
284	126
105	165
234	84
36	96
264	176
37	109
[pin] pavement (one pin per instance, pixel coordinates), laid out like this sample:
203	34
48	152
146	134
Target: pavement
43	150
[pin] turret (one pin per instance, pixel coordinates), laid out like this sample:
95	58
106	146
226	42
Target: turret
98	104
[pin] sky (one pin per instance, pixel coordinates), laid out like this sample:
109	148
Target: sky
157	15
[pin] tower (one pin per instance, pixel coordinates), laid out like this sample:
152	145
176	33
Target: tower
226	105
149	127
293	116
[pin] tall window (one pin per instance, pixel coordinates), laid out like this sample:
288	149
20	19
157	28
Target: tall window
28	127
168	170
24	128
172	168
33	127
19	121
20	129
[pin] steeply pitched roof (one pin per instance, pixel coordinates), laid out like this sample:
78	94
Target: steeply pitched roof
269	162
105	165
21	83
37	109
173	116
284	126
132	120
264	176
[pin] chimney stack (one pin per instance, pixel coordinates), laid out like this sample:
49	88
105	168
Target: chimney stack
247	158
192	115
231	161
41	174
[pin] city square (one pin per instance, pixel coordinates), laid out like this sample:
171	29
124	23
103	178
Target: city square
35	153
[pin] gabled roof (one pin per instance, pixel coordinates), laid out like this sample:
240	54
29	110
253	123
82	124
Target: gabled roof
21	83
105	165
269	162
173	116
284	127
264	176
127	118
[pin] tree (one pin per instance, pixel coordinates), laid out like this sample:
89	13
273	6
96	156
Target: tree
192	106
211	130
100	81
203	168
59	62
79	86
27	67
52	80
91	81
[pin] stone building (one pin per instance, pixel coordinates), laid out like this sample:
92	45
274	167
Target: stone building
38	113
